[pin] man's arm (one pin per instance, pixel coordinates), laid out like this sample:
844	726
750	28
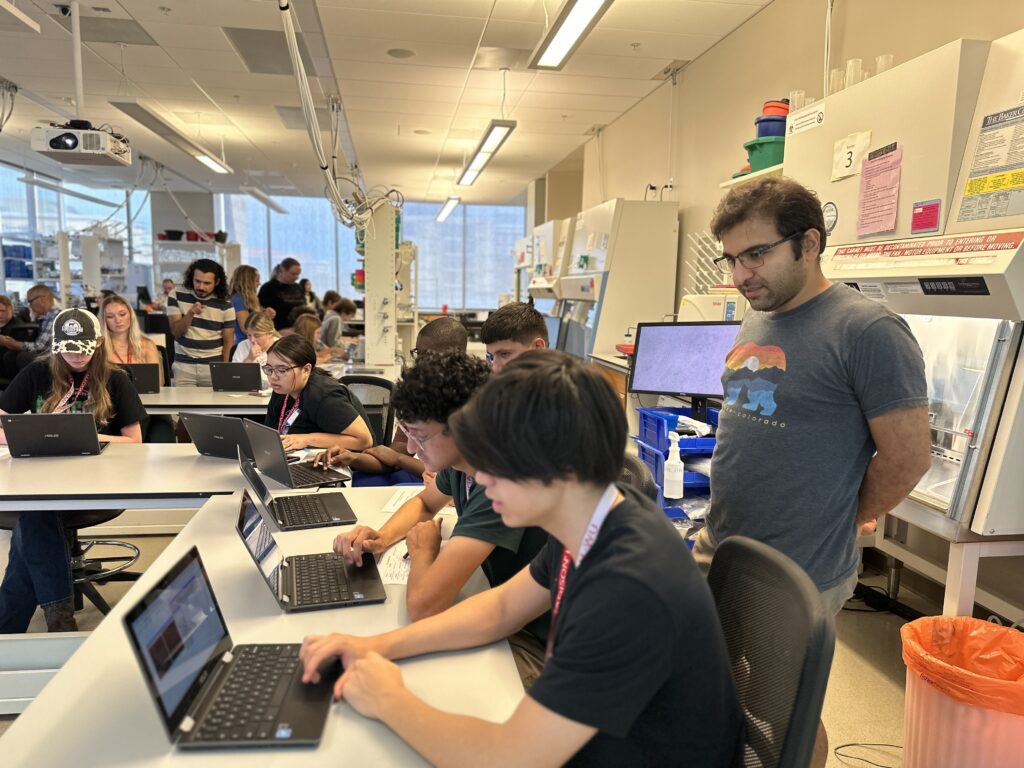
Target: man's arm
903	454
180	324
436	575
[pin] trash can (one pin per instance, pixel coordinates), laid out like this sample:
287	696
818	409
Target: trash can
964	701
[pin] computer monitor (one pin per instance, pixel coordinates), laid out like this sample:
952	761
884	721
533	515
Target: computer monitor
682	359
554	330
142	296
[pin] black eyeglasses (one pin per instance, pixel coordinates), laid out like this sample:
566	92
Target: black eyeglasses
280	370
752	258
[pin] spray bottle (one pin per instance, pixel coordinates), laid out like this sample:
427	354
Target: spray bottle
674	470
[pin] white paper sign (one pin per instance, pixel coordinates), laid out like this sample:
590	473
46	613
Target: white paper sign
848	153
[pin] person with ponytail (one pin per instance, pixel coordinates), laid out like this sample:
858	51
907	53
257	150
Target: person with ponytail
282	292
309	408
77	377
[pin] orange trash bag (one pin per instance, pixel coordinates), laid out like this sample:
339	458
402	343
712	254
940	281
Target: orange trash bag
972	661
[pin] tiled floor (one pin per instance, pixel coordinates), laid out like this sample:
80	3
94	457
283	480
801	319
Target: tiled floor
864	702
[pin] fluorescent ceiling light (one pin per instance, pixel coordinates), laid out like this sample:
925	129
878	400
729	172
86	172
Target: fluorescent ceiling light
264	198
494	137
572	24
447	208
62	191
149	119
7	5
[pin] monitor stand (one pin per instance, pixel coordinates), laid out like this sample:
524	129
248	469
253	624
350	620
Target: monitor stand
699	409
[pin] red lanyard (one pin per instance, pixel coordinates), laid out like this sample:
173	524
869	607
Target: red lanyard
283	421
604	506
71	396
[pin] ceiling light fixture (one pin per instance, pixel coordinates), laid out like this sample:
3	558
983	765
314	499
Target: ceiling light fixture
572	24
33	182
24	18
149	119
264	198
494	137
446	209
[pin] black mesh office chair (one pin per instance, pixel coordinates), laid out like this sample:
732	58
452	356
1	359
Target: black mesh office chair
374	392
780	642
636	474
87	572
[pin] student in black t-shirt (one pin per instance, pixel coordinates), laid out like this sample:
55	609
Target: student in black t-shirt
309	408
637	672
76	377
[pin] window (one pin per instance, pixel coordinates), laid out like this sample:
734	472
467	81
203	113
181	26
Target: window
13	204
465	262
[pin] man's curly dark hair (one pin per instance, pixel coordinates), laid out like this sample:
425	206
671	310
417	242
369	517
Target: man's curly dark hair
438	385
220	289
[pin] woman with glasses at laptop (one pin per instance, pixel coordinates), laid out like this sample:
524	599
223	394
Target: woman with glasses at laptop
260	335
77	377
309	408
125	342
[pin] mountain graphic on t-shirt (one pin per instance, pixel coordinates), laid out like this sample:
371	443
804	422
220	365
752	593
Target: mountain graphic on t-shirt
754	373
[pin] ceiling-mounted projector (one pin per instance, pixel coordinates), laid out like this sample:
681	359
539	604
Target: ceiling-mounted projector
77	143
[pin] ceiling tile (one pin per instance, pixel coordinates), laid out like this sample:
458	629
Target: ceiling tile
420	27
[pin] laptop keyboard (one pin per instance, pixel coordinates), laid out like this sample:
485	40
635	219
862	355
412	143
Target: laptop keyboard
302	510
248	705
306	475
320	579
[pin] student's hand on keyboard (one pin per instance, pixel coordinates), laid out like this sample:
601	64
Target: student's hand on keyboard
368	683
354	543
317	650
333	457
295	442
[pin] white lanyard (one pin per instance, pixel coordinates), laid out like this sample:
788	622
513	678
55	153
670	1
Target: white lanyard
604	506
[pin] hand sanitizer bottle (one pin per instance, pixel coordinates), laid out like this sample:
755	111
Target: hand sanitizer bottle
674	470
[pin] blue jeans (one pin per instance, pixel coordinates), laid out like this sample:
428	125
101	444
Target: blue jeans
38	570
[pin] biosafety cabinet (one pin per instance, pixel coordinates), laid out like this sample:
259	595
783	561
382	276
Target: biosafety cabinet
552	241
621	270
920	171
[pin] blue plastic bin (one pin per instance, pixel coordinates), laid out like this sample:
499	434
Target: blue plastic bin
768	125
655	461
656	423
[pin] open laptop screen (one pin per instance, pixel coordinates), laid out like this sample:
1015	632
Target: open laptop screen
259	541
178	634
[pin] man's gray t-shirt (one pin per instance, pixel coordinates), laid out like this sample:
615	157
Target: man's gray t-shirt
793	439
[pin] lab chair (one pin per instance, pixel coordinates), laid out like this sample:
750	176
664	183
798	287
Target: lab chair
780	641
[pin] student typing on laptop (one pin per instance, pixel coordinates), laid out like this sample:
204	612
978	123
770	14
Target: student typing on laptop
77	377
309	408
425	398
636	669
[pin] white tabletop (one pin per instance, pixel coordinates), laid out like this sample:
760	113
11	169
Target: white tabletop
147	475
97	710
390	372
205	400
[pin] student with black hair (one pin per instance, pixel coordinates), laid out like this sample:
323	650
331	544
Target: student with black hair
390	465
77	377
511	330
427	396
282	291
636	670
202	322
309	408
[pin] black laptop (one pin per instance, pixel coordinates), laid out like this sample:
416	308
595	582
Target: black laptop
51	434
293	513
210	692
145	377
271	460
219	436
235	377
306	582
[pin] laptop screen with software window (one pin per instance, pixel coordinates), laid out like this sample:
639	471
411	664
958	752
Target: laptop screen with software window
259	541
177	629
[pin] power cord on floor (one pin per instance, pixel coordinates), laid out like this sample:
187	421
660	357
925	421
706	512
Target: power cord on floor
877	600
860	598
858	745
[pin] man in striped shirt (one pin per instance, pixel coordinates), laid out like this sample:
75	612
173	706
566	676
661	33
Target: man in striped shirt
202	321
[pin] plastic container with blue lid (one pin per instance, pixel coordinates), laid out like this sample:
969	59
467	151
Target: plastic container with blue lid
770	126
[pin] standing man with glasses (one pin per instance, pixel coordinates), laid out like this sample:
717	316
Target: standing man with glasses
42	305
202	322
425	398
824	426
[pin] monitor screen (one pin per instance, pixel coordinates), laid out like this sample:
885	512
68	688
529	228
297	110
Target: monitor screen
259	541
554	330
681	358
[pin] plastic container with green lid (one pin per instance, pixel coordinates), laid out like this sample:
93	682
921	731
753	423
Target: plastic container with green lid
765	152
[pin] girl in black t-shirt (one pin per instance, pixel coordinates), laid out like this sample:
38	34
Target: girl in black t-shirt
309	408
76	377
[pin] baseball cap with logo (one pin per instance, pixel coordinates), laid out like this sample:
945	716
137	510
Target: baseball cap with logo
75	332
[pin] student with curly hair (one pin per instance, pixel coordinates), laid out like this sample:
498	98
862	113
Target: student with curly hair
202	323
425	399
